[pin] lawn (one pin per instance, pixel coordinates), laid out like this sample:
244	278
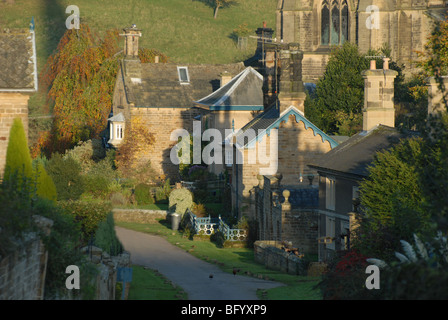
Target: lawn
297	287
148	284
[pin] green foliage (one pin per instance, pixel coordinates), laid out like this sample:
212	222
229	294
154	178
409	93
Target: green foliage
163	192
18	156
336	104
143	194
66	174
106	238
44	184
180	200
88	214
96	184
392	199
15	210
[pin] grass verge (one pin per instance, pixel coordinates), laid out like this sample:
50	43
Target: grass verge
148	284
297	287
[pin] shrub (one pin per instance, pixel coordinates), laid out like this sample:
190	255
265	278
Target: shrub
18	156
345	278
180	200
143	194
199	210
88	214
163	192
66	174
96	184
118	199
106	238
44	184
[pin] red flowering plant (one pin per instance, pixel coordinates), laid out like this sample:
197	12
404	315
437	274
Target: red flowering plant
346	277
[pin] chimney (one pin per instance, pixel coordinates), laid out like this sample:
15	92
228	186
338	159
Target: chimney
290	86
225	78
378	96
132	63
435	101
131	35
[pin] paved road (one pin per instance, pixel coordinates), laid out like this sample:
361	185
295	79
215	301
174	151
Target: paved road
187	271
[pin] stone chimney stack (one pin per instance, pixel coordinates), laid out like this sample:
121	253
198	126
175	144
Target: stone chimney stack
379	96
131	35
131	62
225	78
290	87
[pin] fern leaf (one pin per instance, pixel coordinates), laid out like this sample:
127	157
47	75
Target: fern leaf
409	251
421	248
379	263
402	257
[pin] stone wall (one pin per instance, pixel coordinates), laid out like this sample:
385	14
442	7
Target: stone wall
139	216
22	273
12	105
269	254
162	122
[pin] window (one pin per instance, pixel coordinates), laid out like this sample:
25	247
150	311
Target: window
229	157
334	22
119	132
355	197
345	232
330	193
330	231
183	75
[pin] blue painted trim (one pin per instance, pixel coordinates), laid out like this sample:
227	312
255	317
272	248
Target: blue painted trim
299	117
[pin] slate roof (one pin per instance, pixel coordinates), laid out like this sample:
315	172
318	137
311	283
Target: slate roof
17	60
353	156
243	92
160	87
263	123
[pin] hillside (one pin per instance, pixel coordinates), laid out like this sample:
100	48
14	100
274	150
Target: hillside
184	30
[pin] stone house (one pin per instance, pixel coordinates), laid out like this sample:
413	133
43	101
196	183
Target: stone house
162	95
316	25
344	167
18	80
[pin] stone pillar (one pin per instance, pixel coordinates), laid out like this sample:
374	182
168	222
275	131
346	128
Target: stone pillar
378	97
435	96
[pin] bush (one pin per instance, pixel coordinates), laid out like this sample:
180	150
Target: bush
106	238
180	200
118	199
163	192
88	214
44	184
63	250
96	184
66	174
18	156
143	194
345	278
199	210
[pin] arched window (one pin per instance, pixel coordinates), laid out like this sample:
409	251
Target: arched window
334	22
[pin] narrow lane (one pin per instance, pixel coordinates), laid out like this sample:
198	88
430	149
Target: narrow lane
187	271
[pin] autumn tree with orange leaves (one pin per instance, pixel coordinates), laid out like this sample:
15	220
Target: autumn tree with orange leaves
80	78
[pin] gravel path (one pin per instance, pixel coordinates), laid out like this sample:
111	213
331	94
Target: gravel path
187	271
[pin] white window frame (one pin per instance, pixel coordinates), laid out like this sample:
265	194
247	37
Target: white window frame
179	74
229	157
330	193
119	131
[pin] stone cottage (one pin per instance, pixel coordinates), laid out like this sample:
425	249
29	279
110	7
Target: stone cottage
316	25
343	168
18	80
162	95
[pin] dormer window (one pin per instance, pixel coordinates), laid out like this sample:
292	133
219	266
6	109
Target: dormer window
183	75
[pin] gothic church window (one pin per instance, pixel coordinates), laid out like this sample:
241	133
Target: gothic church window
334	22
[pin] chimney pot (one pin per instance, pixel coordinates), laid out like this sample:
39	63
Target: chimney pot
156	59
372	64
